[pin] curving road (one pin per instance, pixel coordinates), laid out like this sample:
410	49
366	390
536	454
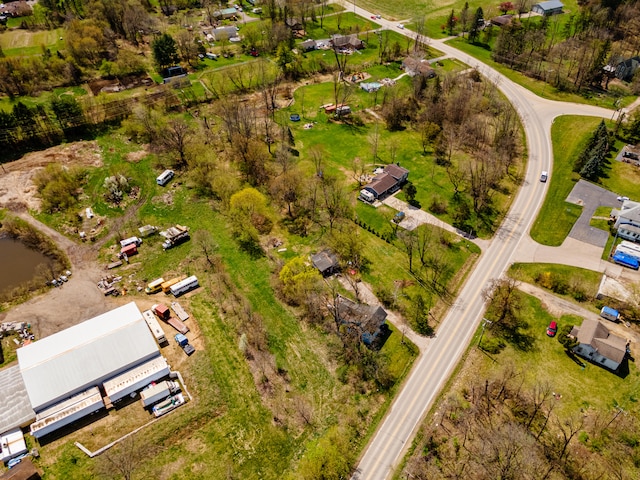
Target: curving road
440	356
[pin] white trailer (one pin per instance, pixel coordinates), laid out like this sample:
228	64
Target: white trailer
154	326
179	311
184	286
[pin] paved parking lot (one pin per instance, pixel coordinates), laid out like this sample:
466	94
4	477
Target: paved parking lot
590	196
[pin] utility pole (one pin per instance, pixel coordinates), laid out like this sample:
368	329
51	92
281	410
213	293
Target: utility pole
484	324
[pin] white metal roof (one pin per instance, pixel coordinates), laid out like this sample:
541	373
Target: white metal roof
136	378
84	355
15	408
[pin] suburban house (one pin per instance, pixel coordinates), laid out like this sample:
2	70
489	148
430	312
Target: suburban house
308	45
552	7
367	319
388	181
415	66
347	42
502	20
326	262
224	33
627	68
598	345
295	26
628	220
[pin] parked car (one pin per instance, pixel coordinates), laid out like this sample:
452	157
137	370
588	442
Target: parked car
373	17
552	329
622	199
400	26
398	217
378	16
544	176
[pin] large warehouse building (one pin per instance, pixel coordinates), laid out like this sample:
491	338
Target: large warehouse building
81	369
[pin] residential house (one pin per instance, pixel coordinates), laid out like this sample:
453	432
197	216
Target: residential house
502	20
416	66
598	345
365	319
628	220
552	7
308	45
627	68
347	42
224	33
326	262
385	183
295	26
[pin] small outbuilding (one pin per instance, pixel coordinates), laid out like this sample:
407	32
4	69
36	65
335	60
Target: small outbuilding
552	7
308	45
25	470
326	262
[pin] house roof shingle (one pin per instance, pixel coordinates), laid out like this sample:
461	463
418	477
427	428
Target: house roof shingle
594	333
367	317
396	171
382	183
325	261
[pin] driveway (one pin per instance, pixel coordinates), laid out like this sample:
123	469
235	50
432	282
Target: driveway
590	197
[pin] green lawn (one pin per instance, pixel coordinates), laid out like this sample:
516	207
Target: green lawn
581	388
26	42
340	23
556	217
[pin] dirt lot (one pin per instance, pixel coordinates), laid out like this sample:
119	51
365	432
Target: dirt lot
78	299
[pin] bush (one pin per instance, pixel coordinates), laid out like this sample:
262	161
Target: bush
492	345
438	205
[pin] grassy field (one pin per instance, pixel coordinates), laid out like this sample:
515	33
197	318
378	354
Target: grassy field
230	427
25	42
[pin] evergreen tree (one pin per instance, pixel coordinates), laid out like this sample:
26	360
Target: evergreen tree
451	22
165	52
478	19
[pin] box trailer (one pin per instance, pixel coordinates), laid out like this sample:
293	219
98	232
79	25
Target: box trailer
610	314
162	311
129	250
155	286
626	260
166	286
178	325
154	326
184	286
158	392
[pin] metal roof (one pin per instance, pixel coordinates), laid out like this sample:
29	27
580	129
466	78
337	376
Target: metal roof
550	5
84	355
15	408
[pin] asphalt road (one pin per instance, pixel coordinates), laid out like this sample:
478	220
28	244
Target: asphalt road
440	356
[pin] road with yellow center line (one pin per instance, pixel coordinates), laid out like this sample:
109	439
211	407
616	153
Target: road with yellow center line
438	360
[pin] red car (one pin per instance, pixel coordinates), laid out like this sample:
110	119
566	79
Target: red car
552	329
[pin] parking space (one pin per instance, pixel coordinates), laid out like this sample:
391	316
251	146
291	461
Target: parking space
590	197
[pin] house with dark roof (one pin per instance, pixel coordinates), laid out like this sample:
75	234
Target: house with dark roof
627	68
416	66
365	319
552	7
628	220
502	20
347	42
385	183
326	262
598	345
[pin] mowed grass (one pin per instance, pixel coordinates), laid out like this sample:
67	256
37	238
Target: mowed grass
569	135
546	360
26	42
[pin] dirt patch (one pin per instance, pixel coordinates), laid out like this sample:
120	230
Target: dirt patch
17	191
135	157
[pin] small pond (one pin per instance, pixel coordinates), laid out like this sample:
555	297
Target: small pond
18	264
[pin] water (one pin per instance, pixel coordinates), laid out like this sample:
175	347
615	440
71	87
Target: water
18	264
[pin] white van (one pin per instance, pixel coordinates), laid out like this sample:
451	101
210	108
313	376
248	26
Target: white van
130	240
164	177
